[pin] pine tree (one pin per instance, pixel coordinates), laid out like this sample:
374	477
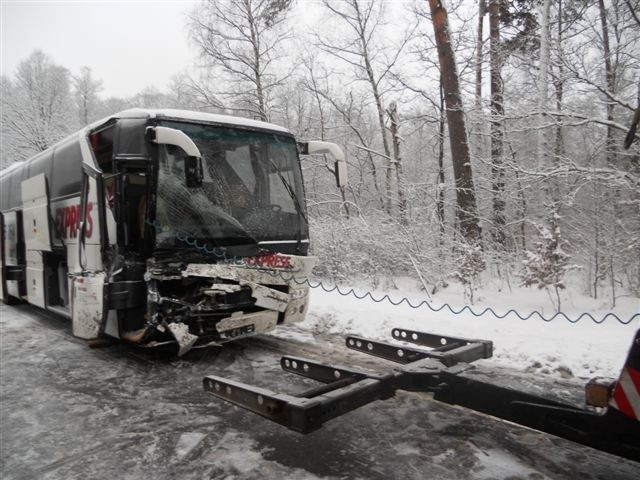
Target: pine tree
470	262
547	265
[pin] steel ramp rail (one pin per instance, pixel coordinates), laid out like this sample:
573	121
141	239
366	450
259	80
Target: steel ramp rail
344	388
448	350
441	369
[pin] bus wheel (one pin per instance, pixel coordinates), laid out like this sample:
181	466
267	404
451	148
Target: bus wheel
9	300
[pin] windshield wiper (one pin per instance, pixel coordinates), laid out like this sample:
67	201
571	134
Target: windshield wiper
291	193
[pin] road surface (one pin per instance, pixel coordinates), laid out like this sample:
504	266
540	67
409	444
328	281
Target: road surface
72	412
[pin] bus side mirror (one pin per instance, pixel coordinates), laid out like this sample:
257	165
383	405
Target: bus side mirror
193	171
317	147
341	173
193	161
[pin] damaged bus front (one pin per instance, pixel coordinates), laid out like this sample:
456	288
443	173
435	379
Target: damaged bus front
190	228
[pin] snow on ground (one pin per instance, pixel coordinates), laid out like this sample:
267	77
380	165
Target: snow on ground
584	349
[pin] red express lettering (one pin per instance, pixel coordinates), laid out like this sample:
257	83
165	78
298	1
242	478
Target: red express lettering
274	261
68	220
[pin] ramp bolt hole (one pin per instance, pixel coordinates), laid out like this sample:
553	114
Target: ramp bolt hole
443	341
351	342
403	334
217	387
400	353
294	364
414	336
370	346
336	373
305	367
287	363
358	344
260	400
228	390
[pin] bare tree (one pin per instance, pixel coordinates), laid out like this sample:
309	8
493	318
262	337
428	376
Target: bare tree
35	105
239	42
195	93
85	92
372	59
311	84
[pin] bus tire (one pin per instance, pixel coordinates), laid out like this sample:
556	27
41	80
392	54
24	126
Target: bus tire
11	300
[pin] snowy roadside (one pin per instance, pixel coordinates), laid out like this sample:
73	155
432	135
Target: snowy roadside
559	348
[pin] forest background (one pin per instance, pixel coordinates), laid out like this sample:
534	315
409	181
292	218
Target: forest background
485	138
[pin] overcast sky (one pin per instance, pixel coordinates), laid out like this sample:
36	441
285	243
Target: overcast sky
129	45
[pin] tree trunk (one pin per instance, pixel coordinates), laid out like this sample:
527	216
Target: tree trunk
543	82
559	87
395	138
255	43
610	80
522	212
596	257
441	179
465	194
497	118
383	132
482	8
611	154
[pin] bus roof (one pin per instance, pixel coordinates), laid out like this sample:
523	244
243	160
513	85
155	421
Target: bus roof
12	167
198	117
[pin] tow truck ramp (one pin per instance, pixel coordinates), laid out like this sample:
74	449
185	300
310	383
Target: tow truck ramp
442	366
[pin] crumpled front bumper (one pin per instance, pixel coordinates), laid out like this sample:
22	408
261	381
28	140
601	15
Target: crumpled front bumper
260	274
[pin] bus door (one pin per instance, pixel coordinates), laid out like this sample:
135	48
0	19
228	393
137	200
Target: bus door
13	261
127	289
88	288
37	234
133	173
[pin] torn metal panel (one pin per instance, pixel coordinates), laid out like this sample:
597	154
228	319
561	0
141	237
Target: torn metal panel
87	305
185	340
298	304
268	297
222	288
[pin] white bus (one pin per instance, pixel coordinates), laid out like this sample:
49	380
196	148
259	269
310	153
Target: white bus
162	226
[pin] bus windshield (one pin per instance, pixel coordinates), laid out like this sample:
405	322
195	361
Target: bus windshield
251	189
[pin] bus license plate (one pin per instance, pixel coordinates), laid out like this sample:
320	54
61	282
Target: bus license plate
238	332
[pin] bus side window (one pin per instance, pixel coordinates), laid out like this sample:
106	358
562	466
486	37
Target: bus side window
5	190
102	145
42	164
67	174
19	174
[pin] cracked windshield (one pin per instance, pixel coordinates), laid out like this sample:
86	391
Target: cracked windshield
251	189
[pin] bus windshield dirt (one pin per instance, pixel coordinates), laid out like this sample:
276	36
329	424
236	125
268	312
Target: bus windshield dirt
251	190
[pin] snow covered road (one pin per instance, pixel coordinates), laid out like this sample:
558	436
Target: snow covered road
68	411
